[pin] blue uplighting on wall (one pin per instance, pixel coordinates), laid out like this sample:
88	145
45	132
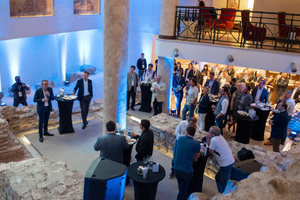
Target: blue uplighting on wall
62	49
122	97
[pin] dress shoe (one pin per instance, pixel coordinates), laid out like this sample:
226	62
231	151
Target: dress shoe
86	122
83	126
127	108
138	104
133	109
48	134
269	143
41	139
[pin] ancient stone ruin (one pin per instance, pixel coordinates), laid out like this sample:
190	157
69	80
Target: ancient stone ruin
40	179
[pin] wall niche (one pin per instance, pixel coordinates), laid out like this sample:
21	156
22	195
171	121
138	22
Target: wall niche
86	7
30	8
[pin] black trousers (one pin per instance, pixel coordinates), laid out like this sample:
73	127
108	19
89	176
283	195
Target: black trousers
157	107
84	106
131	94
44	114
20	101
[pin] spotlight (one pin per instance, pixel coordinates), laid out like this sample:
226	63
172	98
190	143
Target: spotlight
230	58
173	112
67	83
293	135
175	52
3	104
294	68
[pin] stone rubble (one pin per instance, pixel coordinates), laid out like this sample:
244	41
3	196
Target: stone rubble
40	179
266	184
24	118
11	149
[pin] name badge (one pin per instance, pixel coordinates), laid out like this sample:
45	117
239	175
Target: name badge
143	66
20	94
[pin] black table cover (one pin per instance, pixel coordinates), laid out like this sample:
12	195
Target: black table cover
244	129
146	96
197	180
258	132
65	115
145	188
127	158
210	117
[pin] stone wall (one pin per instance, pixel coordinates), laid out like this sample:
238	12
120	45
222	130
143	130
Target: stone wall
24	118
40	179
266	184
11	149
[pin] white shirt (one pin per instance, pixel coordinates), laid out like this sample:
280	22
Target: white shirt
258	93
210	84
225	104
192	95
290	106
148	75
181	130
219	144
45	96
85	87
132	79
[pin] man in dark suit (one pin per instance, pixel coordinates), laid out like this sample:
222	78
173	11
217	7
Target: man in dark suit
132	84
43	96
85	94
259	93
18	88
141	65
111	146
279	125
144	146
282	84
214	85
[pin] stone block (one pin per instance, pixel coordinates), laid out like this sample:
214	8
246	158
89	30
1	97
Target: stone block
73	77
88	68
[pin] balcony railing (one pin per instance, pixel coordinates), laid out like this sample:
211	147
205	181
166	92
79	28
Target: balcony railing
239	28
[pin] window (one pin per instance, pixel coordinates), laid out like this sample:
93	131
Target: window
31	8
86	7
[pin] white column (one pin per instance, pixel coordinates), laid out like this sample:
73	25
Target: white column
167	18
116	19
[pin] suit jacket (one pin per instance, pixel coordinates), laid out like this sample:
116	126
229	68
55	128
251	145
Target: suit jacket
215	87
39	96
246	101
79	85
160	95
139	64
111	147
136	81
15	90
144	146
297	93
282	84
263	97
279	129
203	104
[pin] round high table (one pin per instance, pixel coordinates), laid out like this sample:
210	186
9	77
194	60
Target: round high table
65	115
145	188
244	128
258	132
146	96
127	158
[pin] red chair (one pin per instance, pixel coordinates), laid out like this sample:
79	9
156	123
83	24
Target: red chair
251	32
283	29
226	19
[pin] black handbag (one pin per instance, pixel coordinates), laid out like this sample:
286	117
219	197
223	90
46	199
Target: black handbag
245	154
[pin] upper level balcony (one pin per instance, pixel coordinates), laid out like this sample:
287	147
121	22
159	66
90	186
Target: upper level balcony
239	28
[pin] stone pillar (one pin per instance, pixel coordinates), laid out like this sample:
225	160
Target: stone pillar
116	20
167	18
165	69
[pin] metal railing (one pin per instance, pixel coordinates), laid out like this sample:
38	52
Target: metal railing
239	28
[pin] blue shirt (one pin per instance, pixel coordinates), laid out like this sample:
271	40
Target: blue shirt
183	153
178	82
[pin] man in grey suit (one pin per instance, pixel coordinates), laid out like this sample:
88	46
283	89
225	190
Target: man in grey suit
132	84
245	99
111	146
